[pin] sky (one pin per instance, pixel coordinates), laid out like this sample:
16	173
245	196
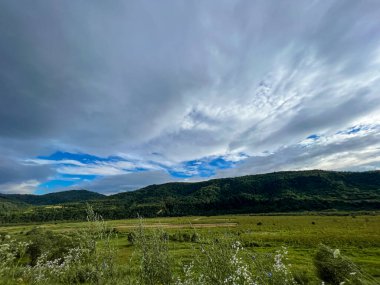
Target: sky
114	96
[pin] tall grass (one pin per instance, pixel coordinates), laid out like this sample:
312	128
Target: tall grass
91	259
153	259
335	269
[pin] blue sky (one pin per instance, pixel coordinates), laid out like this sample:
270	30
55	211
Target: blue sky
73	169
113	97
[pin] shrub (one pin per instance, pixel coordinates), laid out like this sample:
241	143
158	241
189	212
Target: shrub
224	261
194	237
131	238
301	277
335	269
153	257
11	253
186	237
219	262
272	269
90	261
42	241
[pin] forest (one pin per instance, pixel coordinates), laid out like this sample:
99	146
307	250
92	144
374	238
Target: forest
278	192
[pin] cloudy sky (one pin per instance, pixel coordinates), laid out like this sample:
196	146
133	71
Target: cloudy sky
113	96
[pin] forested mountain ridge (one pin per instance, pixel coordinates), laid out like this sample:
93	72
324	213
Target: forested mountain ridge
289	191
7	204
270	185
53	198
272	192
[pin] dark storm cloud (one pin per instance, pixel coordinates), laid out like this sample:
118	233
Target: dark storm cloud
83	71
185	79
16	172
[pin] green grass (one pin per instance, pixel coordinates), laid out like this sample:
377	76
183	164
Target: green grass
357	237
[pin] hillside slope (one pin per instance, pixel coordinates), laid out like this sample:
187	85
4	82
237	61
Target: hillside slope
272	192
289	191
54	198
7	205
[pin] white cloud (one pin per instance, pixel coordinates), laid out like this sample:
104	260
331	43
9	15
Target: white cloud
25	187
102	168
341	151
90	170
52	162
126	182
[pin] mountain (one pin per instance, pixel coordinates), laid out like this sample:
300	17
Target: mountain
7	205
53	198
273	192
290	191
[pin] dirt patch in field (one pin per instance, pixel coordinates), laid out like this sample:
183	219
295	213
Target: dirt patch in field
180	226
54	207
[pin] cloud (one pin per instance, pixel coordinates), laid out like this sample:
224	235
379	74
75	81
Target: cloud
161	85
18	177
126	182
26	187
14	171
345	150
84	170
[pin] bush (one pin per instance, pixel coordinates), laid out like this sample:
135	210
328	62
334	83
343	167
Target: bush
272	269
186	237
42	241
90	260
224	261
335	269
301	277
194	237
131	238
219	262
11	253
153	257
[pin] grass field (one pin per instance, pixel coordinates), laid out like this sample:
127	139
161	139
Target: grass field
357	237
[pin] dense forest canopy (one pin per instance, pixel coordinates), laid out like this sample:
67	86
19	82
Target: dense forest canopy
273	192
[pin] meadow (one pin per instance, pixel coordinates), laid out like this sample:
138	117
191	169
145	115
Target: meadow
356	237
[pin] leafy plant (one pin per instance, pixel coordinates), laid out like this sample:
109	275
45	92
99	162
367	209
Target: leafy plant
153	256
335	269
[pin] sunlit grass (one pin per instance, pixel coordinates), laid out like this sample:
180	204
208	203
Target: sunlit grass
358	237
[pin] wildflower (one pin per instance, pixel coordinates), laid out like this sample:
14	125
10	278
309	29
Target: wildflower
336	253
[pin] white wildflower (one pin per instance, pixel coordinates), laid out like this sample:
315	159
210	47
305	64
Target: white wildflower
336	253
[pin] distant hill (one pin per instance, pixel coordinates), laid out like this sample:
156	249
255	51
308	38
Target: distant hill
7	205
273	192
54	198
290	191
